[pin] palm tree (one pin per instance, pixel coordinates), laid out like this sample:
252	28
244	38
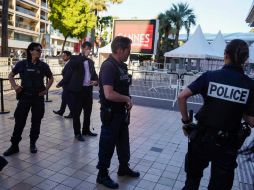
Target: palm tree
4	39
98	5
164	25
191	20
179	14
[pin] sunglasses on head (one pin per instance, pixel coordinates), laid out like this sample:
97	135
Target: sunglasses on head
38	50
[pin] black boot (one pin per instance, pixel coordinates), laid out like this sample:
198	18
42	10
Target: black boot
12	150
104	179
33	148
124	170
3	162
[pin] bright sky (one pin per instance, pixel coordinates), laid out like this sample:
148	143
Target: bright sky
213	15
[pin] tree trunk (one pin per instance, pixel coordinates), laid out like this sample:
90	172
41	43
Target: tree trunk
65	38
4	39
188	34
93	32
176	38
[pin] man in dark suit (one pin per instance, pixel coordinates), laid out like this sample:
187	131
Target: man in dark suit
66	58
80	79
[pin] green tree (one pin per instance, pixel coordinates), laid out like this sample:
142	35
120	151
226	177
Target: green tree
103	24
71	17
179	15
165	25
100	5
165	29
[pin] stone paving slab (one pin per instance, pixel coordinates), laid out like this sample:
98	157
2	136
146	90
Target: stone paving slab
157	143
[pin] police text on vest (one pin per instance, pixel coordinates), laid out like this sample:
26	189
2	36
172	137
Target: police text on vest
229	93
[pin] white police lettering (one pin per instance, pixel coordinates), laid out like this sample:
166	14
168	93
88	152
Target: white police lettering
229	93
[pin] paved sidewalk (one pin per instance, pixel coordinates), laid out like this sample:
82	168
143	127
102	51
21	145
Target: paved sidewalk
158	149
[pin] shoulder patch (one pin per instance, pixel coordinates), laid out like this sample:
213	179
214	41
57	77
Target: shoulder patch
227	92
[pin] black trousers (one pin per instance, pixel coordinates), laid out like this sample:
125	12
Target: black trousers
65	97
36	104
79	101
114	134
223	164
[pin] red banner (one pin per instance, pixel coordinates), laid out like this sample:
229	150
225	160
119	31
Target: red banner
141	32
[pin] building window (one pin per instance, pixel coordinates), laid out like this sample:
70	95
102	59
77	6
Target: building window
24	37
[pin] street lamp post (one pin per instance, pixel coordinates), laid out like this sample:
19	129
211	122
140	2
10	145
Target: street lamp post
4	39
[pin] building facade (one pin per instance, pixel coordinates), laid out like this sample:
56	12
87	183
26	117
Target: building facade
27	22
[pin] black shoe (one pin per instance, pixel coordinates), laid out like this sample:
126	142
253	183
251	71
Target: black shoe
58	113
79	138
12	150
3	162
89	134
68	116
107	181
33	148
126	171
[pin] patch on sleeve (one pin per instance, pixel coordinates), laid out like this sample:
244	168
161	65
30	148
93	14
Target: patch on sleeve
229	93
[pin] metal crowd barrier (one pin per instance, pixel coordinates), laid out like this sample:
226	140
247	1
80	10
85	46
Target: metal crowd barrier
184	81
157	84
2	111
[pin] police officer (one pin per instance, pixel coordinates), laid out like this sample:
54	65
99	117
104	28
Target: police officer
116	103
30	95
228	97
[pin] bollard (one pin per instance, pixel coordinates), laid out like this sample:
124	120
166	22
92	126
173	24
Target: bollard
2	111
47	95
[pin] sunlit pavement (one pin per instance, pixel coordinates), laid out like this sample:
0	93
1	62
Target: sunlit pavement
158	148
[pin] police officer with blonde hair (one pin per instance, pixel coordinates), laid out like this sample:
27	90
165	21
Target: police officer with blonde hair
228	99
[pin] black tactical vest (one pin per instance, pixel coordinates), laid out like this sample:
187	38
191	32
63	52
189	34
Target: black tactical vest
32	78
121	85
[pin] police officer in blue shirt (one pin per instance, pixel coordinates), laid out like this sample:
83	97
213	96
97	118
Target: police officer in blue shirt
116	104
228	98
30	95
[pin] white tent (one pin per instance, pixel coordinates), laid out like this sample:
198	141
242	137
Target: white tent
251	53
219	44
105	49
195	48
104	53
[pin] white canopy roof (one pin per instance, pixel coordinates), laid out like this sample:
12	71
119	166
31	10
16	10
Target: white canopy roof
105	49
219	44
251	53
196	47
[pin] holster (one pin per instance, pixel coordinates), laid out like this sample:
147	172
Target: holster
19	95
242	134
106	115
192	130
127	117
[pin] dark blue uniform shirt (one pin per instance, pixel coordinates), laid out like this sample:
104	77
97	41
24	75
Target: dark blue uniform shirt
32	75
228	94
114	74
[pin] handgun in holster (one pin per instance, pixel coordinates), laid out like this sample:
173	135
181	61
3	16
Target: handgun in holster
106	115
191	128
127	117
242	134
